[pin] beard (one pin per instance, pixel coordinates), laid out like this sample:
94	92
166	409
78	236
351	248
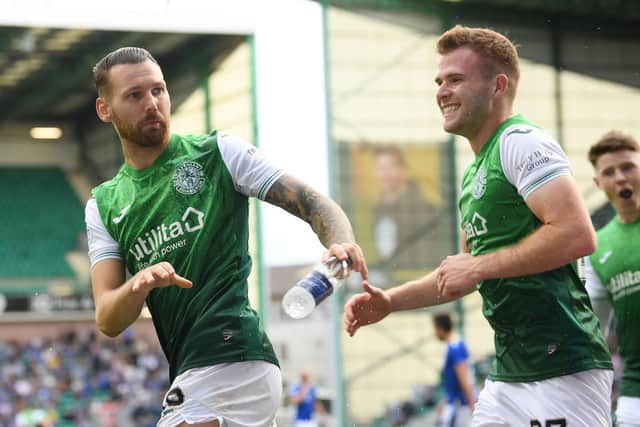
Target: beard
138	135
475	110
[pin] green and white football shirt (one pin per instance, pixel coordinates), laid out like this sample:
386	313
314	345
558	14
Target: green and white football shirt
190	208
543	323
613	279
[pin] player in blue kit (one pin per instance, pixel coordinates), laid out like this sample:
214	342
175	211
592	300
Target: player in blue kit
457	378
304	396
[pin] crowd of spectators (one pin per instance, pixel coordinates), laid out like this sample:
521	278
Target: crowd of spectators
78	379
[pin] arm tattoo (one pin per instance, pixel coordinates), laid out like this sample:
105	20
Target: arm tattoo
324	216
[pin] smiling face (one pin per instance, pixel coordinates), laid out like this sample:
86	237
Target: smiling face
618	175
465	93
137	103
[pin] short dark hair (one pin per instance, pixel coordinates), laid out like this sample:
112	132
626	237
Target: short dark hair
612	142
124	55
443	321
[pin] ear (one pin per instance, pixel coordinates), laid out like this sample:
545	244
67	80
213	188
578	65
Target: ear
596	181
502	83
104	110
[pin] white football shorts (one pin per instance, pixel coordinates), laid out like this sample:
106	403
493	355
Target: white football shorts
582	399
242	394
628	411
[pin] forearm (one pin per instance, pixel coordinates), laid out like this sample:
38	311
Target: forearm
325	217
330	223
419	293
465	380
468	394
549	247
565	235
467	389
118	308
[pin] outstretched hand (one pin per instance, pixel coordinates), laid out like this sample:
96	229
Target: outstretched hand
362	309
345	251
158	275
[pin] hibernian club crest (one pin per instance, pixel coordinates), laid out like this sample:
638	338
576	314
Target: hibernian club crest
188	178
479	183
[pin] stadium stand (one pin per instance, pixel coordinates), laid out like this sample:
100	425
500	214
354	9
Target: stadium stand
42	219
80	380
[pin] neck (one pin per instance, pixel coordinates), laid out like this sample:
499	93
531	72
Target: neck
629	217
141	157
488	127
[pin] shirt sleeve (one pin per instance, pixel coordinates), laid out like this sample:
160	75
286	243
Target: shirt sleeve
599	297
594	285
458	353
531	158
101	245
251	172
294	390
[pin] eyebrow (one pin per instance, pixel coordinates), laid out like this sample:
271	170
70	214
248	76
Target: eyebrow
139	87
448	76
130	88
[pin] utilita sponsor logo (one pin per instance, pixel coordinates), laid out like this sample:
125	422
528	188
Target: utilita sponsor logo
154	242
625	283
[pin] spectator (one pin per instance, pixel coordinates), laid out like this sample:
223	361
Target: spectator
407	229
304	396
456	407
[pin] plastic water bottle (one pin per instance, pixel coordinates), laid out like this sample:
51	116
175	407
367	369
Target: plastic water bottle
304	296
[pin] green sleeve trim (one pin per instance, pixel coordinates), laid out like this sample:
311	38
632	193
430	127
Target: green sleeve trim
264	188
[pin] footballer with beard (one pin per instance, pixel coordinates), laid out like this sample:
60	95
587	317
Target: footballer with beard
176	217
